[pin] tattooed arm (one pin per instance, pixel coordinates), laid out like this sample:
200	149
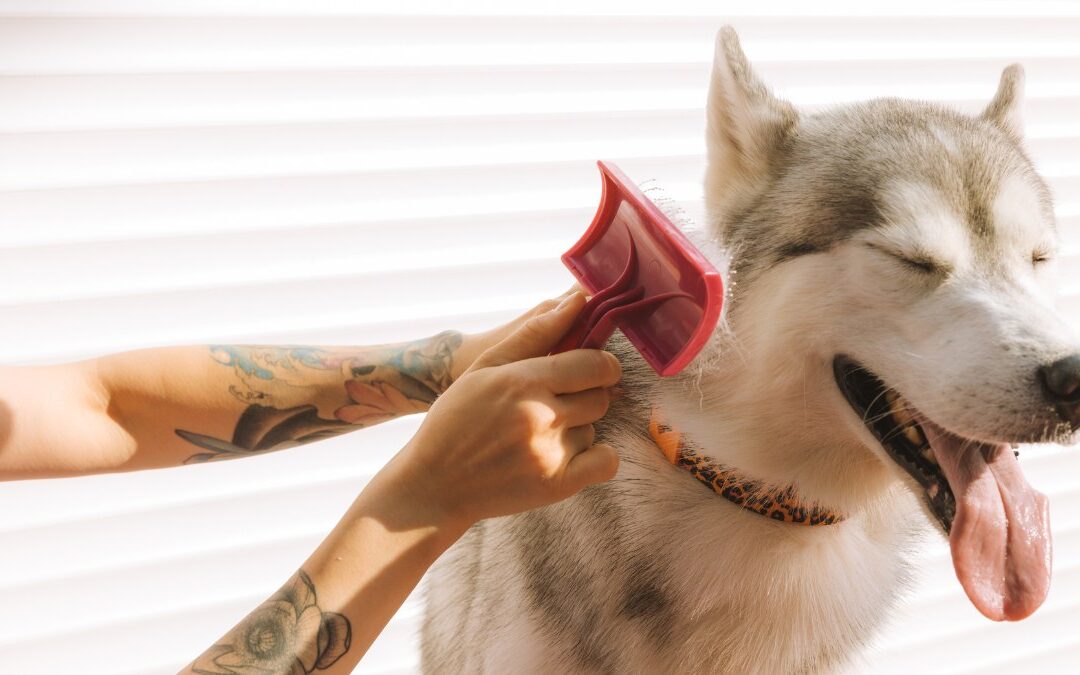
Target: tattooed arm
169	406
294	395
326	615
513	433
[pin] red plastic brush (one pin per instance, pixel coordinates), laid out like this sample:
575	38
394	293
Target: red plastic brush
645	278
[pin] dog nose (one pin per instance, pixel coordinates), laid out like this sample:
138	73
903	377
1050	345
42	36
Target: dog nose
1061	384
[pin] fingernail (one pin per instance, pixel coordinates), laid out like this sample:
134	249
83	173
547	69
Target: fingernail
614	360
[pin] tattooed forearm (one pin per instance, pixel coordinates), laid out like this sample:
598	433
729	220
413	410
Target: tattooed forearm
283	377
289	633
300	394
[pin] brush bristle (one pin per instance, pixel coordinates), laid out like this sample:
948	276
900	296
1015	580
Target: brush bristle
713	249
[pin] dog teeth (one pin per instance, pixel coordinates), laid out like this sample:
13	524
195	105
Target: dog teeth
903	419
899	412
912	434
928	453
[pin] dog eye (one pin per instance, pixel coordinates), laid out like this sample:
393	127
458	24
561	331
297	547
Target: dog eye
1039	257
925	266
916	264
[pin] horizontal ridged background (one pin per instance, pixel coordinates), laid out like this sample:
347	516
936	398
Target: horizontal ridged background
352	172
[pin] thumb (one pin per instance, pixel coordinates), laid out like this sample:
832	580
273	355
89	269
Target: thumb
594	465
536	337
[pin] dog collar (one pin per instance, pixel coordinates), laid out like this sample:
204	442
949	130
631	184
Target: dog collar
777	503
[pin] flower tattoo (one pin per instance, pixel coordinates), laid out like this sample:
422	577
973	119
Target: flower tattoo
376	402
287	634
297	395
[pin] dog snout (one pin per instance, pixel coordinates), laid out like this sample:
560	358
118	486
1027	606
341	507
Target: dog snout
1061	385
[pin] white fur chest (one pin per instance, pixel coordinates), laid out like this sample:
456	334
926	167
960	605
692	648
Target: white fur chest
750	594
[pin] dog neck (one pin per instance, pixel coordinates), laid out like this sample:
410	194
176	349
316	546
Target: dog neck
782	504
765	404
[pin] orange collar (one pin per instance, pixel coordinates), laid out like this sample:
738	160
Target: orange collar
778	504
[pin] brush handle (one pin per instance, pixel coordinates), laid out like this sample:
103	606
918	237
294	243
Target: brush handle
574	338
592	329
582	334
599	318
619	292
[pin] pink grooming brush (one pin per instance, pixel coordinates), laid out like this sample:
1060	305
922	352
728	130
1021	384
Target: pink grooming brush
645	278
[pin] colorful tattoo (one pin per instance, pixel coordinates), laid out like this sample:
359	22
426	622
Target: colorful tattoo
289	633
297	395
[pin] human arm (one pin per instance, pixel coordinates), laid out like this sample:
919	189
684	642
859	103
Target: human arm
514	433
168	406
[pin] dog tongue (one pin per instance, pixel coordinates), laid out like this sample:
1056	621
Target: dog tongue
1001	534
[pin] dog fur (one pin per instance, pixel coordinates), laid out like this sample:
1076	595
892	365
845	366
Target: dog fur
904	234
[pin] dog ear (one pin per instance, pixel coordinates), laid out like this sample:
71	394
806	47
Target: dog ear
746	124
1005	109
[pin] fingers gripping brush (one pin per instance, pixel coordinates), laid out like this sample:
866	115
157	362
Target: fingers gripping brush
645	278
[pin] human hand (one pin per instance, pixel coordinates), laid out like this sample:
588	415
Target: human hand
475	344
515	431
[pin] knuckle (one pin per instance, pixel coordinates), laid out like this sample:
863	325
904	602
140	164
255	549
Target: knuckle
549	417
516	380
534	455
559	415
591	405
546	306
602	402
554	366
487	362
590	434
533	327
538	416
544	371
533	382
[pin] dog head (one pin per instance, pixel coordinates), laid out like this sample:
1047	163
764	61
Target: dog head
894	265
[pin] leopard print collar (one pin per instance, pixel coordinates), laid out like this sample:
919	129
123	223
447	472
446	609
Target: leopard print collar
778	504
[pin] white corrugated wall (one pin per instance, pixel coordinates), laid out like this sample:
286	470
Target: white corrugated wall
354	172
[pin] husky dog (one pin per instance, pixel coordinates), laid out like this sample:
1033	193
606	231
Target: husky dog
891	334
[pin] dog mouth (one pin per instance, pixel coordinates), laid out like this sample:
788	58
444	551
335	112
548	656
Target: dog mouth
998	526
892	422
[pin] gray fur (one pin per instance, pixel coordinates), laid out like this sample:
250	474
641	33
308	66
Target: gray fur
1005	108
652	572
847	154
